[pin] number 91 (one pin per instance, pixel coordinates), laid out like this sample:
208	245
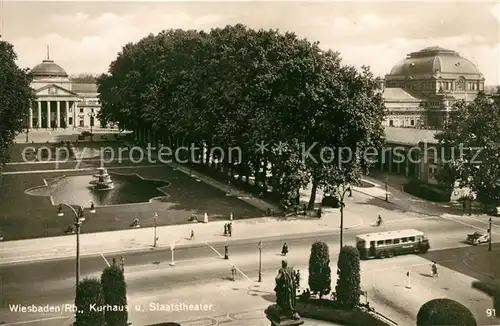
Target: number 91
490	312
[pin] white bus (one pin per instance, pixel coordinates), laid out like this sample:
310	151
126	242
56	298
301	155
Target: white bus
391	243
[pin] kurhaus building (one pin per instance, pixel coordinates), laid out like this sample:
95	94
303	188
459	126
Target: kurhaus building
61	102
420	90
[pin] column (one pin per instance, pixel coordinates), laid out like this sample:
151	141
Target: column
48	114
58	121
66	117
75	109
30	121
39	121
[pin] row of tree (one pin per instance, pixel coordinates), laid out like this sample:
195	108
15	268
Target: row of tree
236	87
102	302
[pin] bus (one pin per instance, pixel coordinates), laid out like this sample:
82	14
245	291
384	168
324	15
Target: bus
391	243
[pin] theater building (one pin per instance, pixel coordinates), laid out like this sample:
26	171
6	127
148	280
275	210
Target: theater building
61	102
420	90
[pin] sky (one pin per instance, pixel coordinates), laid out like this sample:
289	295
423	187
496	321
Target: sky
85	36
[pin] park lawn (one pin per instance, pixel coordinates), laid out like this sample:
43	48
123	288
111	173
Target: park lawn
24	216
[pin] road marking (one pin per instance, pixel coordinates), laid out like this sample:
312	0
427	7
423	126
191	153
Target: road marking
107	262
407	266
484	222
215	250
467	224
239	270
38	320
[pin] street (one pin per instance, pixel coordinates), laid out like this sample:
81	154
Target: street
201	275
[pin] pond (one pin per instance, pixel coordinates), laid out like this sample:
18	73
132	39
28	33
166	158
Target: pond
76	190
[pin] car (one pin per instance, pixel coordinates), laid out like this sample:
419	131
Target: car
478	238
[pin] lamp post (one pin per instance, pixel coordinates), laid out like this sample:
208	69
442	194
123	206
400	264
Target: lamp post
91	116
386	192
260	261
345	190
79	219
489	231
155	237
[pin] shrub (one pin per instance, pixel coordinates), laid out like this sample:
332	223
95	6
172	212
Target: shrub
89	292
427	192
115	294
320	279
445	312
348	287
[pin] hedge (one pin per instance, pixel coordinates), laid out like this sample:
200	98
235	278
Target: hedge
330	311
427	191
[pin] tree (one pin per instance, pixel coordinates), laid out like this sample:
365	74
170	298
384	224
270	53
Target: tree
445	312
235	87
472	139
320	280
115	295
89	295
348	287
15	98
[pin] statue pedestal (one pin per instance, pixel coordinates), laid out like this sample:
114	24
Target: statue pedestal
277	319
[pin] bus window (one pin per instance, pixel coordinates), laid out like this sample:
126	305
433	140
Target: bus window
388	242
380	243
360	243
395	241
372	244
403	240
412	239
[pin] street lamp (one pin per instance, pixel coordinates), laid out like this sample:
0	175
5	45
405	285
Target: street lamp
155	237
260	261
386	193
489	231
79	219
342	205
91	116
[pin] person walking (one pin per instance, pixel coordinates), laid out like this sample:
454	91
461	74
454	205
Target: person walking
230	229
192	235
284	249
233	273
225	229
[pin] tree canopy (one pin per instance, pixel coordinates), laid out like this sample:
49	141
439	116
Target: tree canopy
16	95
472	137
238	87
445	312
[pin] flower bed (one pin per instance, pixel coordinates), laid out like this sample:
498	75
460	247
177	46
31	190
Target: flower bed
331	311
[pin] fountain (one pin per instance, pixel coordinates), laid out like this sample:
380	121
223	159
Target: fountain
102	180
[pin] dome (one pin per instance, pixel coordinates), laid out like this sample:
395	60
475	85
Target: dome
48	68
436	61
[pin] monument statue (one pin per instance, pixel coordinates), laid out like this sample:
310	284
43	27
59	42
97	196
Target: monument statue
283	312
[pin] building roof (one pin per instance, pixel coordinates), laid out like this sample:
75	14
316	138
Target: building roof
48	68
399	95
84	88
409	136
436	61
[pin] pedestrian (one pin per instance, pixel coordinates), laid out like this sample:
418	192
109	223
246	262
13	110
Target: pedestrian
284	249
297	279
233	273
225	229
230	229
114	261
192	235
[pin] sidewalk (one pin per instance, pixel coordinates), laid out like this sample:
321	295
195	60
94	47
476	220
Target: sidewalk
142	239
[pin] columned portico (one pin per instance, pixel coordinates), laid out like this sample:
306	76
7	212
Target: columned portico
47	117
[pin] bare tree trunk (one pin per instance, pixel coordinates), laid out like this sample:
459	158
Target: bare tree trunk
312	198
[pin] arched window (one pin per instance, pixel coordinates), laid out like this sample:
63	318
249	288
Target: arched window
460	84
